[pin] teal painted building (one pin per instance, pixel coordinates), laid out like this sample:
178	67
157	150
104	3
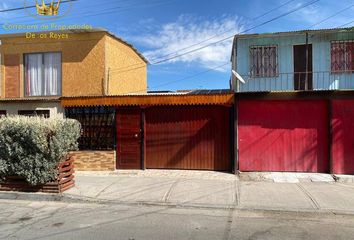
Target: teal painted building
294	61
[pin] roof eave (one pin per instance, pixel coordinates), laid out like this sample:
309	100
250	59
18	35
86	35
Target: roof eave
291	33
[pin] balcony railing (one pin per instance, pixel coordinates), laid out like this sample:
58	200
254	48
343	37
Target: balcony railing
299	81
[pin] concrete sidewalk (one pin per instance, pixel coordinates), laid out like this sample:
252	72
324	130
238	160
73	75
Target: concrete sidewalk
214	190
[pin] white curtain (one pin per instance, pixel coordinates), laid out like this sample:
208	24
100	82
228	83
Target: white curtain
43	74
34	78
52	74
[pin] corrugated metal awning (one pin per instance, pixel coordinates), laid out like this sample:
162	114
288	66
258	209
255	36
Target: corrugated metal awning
149	100
30	99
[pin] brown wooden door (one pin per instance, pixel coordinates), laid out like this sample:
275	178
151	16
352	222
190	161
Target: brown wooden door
129	138
303	67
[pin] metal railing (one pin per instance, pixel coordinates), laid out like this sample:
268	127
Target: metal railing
299	81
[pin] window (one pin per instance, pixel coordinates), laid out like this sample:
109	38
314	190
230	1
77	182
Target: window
342	56
34	113
264	62
2	113
98	127
43	74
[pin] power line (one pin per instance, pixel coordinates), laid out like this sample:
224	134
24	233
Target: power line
345	24
182	79
206	40
188	52
33	6
247	30
228	30
85	7
272	10
333	15
192	76
105	11
228	37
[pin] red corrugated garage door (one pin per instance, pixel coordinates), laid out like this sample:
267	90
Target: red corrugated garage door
188	137
286	135
343	136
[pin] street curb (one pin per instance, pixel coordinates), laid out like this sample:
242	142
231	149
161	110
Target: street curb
31	196
66	198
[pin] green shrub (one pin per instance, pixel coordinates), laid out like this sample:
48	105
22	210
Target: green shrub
32	147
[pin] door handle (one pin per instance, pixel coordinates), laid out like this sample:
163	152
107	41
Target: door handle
136	135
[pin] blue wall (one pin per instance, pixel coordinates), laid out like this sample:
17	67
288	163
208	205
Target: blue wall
321	51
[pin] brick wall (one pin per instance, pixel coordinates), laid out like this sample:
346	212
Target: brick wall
94	160
12	75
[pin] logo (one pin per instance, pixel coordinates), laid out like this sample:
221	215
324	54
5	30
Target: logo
48	9
51	10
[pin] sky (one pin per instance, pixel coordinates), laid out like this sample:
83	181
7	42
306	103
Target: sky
163	29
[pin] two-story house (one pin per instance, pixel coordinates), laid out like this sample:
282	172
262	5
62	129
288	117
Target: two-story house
100	80
36	72
299	60
294	96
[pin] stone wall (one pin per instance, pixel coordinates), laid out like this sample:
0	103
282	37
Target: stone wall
94	160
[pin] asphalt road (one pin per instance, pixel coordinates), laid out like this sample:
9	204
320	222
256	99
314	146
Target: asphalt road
53	220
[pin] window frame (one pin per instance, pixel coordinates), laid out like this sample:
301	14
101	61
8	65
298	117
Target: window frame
25	70
3	113
276	61
345	71
34	113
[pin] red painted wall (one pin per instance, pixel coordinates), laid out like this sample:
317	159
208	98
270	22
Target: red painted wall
343	136
283	135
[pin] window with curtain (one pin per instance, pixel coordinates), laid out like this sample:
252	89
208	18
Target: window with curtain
342	56
263	61
43	74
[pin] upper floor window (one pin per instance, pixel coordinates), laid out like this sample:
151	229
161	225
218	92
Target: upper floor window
263	61
342	56
43	74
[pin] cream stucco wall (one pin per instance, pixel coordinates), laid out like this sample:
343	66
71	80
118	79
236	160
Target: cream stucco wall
12	108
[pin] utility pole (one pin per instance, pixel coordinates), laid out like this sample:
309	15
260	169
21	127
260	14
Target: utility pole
307	62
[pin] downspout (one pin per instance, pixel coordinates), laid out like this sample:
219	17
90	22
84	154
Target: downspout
307	62
234	113
237	82
1	80
107	87
234	65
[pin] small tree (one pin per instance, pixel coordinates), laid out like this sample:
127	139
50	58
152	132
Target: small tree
32	147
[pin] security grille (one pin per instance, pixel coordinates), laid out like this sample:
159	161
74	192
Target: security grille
263	61
342	56
98	127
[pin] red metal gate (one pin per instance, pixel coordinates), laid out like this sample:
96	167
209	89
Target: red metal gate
343	136
283	135
188	137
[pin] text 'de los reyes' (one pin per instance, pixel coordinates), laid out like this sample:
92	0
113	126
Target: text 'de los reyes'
49	35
